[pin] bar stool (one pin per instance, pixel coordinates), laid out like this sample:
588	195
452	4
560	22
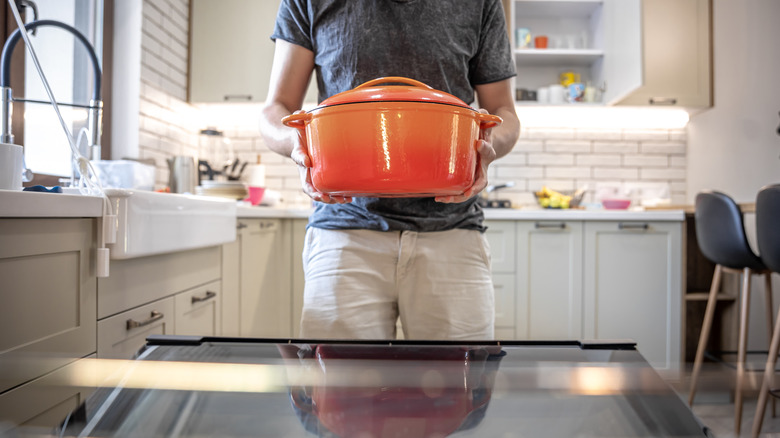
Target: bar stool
721	236
768	236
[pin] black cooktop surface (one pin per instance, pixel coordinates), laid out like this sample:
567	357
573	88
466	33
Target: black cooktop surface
202	387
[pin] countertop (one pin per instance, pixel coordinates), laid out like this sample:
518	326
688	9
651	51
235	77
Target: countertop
38	204
499	214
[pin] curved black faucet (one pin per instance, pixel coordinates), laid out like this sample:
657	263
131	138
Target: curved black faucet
5	82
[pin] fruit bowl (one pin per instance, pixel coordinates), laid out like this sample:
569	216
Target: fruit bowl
547	198
615	204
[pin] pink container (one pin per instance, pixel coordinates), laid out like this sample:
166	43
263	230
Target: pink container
255	195
616	204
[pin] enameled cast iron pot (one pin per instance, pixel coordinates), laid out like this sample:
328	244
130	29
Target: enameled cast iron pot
392	140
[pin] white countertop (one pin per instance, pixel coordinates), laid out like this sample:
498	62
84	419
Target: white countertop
15	203
499	214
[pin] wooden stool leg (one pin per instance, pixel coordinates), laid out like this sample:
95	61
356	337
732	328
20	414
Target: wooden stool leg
742	349
709	314
769	371
770	322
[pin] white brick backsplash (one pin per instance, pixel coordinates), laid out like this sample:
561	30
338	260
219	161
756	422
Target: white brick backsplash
551	159
678	135
153	126
599	134
662	174
519	173
649	134
243	145
551	133
511	159
678	161
678	186
528	146
597	160
148	140
567	172
553	146
619	173
662	148
646	160
535	185
618	147
268	157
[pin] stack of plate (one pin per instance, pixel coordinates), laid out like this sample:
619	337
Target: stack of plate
223	189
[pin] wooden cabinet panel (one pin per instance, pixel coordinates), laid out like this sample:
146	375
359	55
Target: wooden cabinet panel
501	238
231	287
122	336
197	311
549	272
45	261
633	287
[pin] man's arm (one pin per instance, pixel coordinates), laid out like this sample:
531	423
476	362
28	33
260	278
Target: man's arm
497	99
290	74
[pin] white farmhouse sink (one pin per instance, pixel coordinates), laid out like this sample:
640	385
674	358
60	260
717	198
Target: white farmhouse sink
155	223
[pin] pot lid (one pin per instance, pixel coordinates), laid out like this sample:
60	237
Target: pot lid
410	91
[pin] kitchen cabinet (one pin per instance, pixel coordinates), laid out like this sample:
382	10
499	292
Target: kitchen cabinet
549	286
676	54
231	52
633	287
298	236
174	293
584	279
598	39
260	260
44	261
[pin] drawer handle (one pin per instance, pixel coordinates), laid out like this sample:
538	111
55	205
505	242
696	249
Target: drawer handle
155	316
542	225
241	226
209	295
622	226
662	101
246	97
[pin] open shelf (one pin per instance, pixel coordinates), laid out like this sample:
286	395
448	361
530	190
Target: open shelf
557	57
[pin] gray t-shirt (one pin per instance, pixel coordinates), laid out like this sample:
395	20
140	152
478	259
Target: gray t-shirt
451	45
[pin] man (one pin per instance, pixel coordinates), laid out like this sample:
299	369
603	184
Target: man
368	261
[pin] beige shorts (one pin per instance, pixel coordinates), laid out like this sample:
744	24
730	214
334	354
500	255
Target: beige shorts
358	283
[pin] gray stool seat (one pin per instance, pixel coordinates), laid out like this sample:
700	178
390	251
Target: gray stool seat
768	237
720	233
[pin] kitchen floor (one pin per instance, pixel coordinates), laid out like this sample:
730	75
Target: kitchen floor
714	404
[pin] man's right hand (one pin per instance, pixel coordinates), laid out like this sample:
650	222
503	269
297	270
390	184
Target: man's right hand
301	157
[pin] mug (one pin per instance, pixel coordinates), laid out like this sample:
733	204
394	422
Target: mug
540	42
543	95
557	94
11	166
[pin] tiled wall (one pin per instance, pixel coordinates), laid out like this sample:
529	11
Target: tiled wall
561	158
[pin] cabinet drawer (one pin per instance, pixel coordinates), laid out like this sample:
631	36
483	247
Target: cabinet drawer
48	296
134	282
44	402
197	311
121	336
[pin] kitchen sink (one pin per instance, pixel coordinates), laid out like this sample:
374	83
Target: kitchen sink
155	223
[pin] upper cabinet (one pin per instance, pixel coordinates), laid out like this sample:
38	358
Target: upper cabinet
231	51
677	54
626	52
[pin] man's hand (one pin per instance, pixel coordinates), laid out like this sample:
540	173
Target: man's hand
485	155
300	156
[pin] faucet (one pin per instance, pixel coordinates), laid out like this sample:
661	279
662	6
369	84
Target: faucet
6	95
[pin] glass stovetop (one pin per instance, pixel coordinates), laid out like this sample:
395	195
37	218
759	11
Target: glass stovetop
205	387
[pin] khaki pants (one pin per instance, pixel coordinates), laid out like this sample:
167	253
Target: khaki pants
358	282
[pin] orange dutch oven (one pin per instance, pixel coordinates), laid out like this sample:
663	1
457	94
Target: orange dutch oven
405	140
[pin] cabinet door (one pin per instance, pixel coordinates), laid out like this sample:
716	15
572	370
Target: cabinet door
676	54
35	408
122	336
231	51
197	311
633	287
48	295
621	68
266	302
501	238
549	280
298	232
231	286
505	296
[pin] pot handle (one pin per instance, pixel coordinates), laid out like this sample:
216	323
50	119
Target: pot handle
488	120
296	120
400	79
